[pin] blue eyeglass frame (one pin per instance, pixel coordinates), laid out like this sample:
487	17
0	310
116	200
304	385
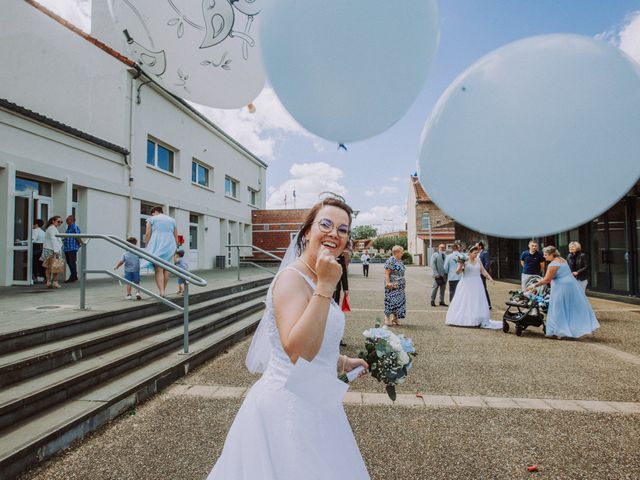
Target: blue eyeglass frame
329	223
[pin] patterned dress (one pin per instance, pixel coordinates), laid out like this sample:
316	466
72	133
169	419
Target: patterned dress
394	298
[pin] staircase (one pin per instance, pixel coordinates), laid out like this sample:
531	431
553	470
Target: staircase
62	381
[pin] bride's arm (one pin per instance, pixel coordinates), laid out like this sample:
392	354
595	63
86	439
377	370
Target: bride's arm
301	314
485	273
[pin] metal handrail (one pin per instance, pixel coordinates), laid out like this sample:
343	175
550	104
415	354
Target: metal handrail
252	247
187	276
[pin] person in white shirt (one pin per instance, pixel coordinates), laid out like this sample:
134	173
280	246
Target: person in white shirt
365	258
37	242
52	247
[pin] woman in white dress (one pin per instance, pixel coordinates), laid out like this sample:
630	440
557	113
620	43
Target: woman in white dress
469	307
292	423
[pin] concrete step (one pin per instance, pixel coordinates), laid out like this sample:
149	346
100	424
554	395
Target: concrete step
90	322
23	364
24	399
25	443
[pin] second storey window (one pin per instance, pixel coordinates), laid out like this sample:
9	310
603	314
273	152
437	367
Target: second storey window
426	223
160	156
230	187
253	197
200	173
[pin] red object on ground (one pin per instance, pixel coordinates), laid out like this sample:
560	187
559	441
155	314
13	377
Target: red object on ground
419	395
345	303
532	468
180	239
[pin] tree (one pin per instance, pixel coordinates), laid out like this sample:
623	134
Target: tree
387	243
362	232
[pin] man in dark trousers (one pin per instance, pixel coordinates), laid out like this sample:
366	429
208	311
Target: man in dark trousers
486	263
71	247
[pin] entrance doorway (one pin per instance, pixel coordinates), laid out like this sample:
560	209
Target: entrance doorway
21	249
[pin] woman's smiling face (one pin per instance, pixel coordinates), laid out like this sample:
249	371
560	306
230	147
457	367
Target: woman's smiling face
327	231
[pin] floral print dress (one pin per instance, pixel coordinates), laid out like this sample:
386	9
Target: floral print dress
394	298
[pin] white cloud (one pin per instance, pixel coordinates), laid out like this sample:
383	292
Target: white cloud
626	37
309	180
386	190
260	131
384	217
395	179
78	12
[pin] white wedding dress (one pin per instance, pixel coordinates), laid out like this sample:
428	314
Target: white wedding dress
469	307
292	424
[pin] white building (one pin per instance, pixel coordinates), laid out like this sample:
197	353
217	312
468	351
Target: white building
81	131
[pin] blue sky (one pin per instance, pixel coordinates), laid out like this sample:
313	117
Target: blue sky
374	174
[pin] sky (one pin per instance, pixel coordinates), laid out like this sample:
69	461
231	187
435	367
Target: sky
373	175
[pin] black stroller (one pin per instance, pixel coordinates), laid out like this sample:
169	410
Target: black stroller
527	309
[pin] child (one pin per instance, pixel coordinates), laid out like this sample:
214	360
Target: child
131	263
180	262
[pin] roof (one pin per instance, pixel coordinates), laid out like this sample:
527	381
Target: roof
25	112
131	63
421	194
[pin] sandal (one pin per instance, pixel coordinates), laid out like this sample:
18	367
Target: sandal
55	285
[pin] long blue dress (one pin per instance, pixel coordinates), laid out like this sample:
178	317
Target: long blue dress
162	242
570	314
395	300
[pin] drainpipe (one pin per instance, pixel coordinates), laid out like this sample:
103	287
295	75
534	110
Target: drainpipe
135	75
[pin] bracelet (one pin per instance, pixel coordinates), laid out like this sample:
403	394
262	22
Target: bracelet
318	294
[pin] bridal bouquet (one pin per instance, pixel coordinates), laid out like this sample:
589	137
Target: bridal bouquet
462	258
388	355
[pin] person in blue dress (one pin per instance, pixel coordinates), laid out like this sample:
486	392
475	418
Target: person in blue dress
570	315
395	303
161	239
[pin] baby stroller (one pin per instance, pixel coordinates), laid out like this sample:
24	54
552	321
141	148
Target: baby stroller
527	309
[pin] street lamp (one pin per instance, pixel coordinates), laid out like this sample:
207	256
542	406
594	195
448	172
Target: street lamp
393	223
426	219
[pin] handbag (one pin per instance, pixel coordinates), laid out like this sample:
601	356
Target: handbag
440	280
345	304
56	263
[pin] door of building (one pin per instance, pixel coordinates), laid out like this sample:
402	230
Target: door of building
611	255
21	249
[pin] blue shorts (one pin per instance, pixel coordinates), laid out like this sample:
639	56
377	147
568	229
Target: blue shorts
132	277
180	281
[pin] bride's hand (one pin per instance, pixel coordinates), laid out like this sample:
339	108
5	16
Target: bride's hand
351	363
328	269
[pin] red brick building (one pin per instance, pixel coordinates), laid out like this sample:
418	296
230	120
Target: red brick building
273	229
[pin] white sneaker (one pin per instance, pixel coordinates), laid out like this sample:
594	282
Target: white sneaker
138	296
127	297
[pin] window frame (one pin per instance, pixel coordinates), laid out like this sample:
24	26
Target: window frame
233	182
172	159
254	193
209	175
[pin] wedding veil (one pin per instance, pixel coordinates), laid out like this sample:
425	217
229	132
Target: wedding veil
260	349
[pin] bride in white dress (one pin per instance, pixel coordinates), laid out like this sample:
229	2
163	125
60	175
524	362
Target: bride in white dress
292	424
469	307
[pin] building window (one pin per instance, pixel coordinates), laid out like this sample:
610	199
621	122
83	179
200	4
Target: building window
194	221
160	156
253	197
200	173
426	224
74	202
230	187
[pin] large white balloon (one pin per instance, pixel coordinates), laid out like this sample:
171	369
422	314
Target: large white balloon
536	138
348	69
206	51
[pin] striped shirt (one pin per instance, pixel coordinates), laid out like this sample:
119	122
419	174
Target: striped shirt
72	244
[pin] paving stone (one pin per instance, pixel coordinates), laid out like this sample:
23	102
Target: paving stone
229	392
376	399
534	403
596	406
625	407
468	401
353	398
569	405
202	390
438	401
408	400
177	389
500	402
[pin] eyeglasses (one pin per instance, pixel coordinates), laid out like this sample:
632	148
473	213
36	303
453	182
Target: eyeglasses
326	226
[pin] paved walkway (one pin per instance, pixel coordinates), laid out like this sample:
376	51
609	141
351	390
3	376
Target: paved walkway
478	404
33	306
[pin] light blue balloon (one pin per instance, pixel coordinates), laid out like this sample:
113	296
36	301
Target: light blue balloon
536	138
347	70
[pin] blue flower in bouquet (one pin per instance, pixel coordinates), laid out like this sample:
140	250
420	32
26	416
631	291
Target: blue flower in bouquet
407	344
377	333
